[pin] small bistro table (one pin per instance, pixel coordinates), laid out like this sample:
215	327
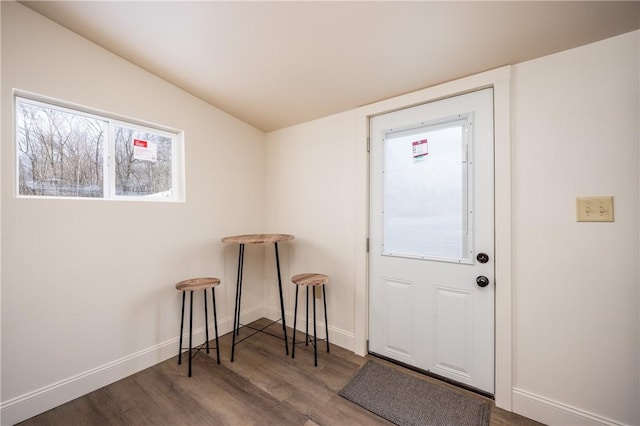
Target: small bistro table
242	240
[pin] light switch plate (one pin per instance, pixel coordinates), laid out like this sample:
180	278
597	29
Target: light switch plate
594	209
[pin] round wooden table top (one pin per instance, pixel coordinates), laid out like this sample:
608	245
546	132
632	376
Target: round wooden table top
258	238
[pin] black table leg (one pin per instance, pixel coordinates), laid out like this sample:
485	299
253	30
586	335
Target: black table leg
284	325
236	314
295	321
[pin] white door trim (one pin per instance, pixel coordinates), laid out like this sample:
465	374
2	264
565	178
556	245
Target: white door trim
499	79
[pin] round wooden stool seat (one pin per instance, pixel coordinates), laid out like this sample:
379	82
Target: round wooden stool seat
193	284
310	279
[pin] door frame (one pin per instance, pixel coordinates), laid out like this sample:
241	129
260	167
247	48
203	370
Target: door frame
499	79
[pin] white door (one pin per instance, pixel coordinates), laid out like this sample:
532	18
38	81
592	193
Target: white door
431	283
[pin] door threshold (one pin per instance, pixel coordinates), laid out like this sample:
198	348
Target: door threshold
435	376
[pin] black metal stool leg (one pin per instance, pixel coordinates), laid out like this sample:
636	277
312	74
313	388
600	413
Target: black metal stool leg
215	323
190	327
315	340
181	330
295	320
206	319
326	322
306	332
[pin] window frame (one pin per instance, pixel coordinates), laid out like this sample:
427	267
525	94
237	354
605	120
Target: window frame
108	160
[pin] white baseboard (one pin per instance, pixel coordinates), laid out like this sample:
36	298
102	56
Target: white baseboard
553	413
40	400
338	337
33	403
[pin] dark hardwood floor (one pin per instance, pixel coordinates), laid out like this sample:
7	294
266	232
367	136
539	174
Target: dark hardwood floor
261	387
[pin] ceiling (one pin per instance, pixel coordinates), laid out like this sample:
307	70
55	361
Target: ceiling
276	64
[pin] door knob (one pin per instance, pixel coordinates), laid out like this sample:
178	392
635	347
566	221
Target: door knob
482	281
482	257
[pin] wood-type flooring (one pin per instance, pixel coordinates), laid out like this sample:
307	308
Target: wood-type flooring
261	387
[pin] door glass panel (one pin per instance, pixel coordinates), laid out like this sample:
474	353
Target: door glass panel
425	192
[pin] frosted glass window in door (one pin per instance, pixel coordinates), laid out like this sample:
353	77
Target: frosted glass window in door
425	192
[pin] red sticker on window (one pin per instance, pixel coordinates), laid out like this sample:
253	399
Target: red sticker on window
141	143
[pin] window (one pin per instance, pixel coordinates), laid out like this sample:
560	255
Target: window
65	152
426	191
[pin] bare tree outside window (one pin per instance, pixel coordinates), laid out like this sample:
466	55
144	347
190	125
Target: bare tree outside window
59	153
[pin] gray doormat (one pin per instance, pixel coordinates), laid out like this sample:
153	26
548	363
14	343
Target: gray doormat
407	400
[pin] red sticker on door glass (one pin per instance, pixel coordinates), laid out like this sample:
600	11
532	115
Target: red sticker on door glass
420	148
140	143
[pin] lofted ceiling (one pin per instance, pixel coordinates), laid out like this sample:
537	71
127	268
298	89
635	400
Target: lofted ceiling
277	64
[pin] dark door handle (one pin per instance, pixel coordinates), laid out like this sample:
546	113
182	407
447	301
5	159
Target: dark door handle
482	281
482	257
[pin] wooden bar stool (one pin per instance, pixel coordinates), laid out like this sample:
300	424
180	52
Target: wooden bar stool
310	280
191	285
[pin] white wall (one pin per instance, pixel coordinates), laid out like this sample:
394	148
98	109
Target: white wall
310	187
575	132
88	286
